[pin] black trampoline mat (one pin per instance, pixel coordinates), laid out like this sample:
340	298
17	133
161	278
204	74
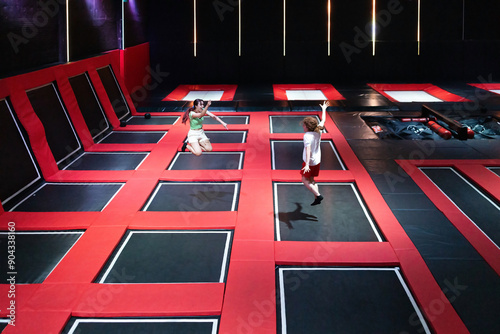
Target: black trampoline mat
194	196
346	300
169	257
287	154
483	211
3	324
141	326
108	161
18	169
495	170
208	160
67	197
220	137
227	120
287	124
37	254
154	120
133	137
342	216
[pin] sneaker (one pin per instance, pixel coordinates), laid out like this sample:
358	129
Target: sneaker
317	200
183	149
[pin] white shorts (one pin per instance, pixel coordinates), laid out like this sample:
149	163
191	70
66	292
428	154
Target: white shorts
195	136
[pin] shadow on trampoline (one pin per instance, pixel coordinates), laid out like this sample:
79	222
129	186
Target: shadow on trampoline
295	215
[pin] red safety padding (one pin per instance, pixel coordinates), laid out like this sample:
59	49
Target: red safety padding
373	254
250	299
39	321
429	88
182	90
486	86
69	100
36	132
140	77
328	90
152	300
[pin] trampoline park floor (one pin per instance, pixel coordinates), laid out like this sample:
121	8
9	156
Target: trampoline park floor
135	236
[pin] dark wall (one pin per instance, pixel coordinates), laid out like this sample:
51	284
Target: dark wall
32	34
460	40
136	21
95	27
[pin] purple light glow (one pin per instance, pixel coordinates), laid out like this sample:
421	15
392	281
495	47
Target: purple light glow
97	11
133	9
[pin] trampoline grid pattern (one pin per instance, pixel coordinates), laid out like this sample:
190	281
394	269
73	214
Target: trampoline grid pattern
252	272
249	222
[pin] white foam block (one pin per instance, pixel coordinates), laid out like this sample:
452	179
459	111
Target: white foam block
206	95
306	94
412	96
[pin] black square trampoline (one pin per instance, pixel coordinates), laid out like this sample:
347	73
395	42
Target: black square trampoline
154	120
346	300
194	196
69	197
141	325
342	216
133	137
108	161
287	124
221	137
227	119
208	160
287	154
37	254
169	257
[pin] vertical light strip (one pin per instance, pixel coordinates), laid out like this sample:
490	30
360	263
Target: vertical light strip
463	20
239	28
194	38
123	24
418	29
67	31
284	27
329	25
373	28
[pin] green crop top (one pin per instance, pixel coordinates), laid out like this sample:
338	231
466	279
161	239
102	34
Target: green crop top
194	122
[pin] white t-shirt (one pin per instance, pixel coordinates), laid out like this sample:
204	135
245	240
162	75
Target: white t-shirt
312	139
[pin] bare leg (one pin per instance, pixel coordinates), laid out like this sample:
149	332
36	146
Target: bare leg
194	148
206	145
311	185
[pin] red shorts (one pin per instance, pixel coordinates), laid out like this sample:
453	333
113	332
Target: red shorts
314	170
